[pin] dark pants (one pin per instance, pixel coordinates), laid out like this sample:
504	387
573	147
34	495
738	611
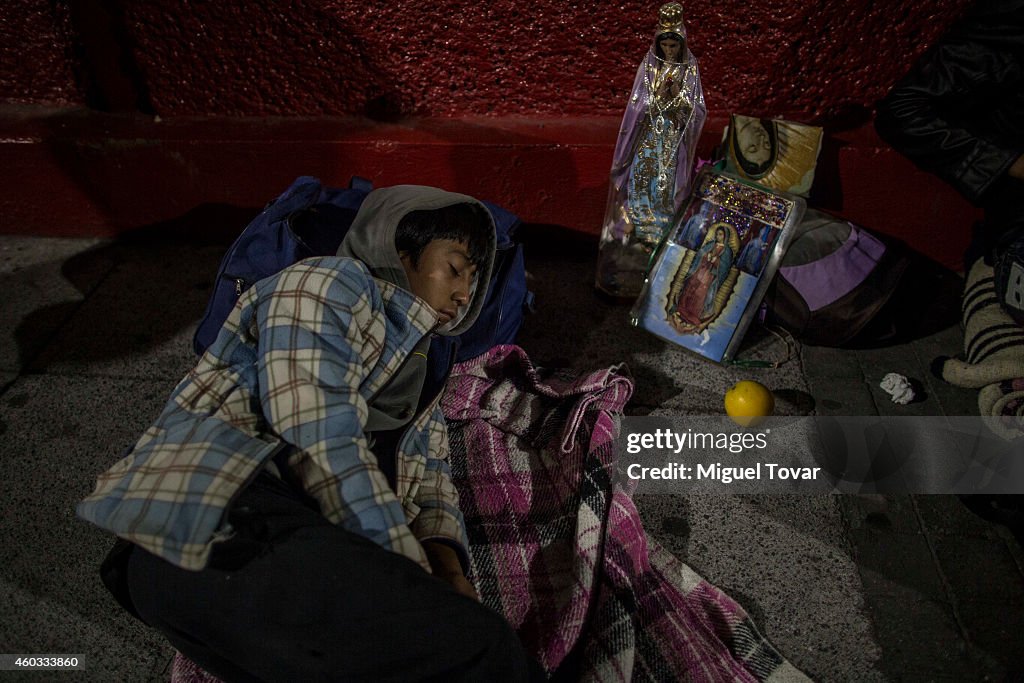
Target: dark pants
292	597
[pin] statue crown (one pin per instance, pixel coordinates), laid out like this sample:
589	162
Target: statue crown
671	17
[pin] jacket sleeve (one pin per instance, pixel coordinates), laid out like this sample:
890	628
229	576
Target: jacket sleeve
313	354
914	117
439	517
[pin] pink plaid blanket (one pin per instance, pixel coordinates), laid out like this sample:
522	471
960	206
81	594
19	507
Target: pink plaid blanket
557	545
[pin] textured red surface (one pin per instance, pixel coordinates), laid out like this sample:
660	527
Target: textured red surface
514	102
820	61
804	59
77	173
36	54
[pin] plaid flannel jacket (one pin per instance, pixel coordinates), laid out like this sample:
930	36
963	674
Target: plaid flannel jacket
298	360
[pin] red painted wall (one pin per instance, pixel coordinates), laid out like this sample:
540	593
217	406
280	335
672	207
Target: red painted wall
806	59
177	103
37	60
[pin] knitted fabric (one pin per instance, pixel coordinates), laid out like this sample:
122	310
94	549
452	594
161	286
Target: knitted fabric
993	342
994	353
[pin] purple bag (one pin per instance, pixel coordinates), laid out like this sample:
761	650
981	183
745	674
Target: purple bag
834	278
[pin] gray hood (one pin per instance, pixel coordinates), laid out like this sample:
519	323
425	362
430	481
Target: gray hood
371	239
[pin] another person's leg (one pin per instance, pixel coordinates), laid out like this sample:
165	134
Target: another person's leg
1003	238
292	597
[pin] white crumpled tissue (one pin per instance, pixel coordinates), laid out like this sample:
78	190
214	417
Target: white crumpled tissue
898	387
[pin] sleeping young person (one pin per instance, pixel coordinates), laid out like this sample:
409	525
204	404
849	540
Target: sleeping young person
290	515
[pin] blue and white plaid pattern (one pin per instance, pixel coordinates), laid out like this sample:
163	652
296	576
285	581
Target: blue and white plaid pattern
297	362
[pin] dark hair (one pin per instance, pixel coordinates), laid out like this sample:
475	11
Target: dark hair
751	169
460	222
668	34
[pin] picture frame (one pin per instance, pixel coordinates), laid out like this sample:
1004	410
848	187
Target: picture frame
714	266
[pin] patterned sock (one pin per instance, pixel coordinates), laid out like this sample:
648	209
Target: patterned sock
993	341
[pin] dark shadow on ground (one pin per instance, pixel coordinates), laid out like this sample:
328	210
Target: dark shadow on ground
926	301
171	263
547	242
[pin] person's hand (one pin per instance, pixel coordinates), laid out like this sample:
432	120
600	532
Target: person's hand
1017	170
462	585
444	563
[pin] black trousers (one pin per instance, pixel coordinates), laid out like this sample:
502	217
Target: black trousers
292	597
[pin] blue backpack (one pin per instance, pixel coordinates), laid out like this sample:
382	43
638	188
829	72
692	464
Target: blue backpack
309	219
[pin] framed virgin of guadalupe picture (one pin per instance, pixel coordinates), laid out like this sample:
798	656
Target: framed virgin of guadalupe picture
716	263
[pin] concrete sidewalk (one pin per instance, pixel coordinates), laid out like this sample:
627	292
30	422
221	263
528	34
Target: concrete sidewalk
95	334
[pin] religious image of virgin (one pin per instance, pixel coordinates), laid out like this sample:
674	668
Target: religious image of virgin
652	166
755	142
699	294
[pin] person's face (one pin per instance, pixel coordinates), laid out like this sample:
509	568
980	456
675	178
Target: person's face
753	140
442	277
720	236
670	48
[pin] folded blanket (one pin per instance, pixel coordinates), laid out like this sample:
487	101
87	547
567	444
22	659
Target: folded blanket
993	352
1005	402
558	546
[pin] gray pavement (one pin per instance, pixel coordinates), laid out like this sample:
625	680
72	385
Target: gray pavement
94	334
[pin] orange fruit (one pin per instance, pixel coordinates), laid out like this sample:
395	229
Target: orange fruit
749	402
